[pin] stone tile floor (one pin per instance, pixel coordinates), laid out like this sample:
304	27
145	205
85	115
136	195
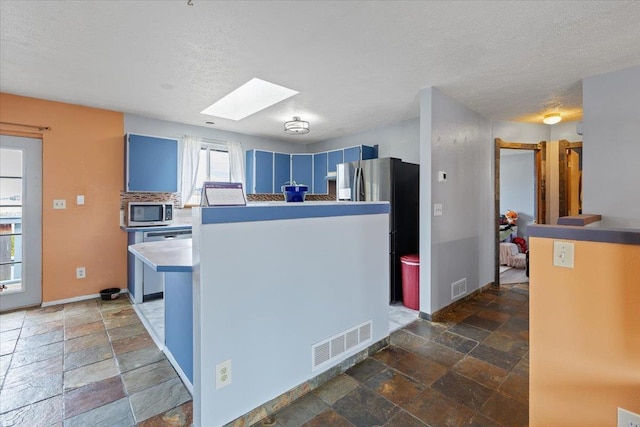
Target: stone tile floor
90	363
471	369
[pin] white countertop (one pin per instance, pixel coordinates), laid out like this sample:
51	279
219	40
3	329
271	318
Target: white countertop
165	256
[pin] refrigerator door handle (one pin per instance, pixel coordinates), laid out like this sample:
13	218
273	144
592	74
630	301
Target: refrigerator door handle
356	185
359	185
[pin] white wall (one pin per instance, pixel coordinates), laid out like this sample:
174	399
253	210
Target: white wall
147	126
456	140
400	140
262	299
611	163
517	186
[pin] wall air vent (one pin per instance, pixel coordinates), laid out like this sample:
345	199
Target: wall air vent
458	288
339	345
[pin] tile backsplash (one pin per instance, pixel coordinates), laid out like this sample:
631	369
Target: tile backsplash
175	198
149	197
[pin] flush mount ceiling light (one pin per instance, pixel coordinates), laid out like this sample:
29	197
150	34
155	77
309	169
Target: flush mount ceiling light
296	127
251	97
551	119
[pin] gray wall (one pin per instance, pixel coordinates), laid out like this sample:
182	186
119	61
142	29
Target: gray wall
565	130
458	244
517	186
611	164
401	140
147	126
529	133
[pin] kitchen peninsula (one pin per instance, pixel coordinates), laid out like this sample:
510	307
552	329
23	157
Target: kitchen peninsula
283	296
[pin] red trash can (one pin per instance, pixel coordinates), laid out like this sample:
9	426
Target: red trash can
411	281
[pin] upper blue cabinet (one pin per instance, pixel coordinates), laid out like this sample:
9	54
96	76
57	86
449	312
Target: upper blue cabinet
282	172
302	169
335	157
151	164
320	173
259	171
266	171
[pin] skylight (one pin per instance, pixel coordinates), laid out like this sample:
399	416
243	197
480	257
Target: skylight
251	97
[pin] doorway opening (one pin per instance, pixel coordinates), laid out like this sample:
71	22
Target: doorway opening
507	234
570	178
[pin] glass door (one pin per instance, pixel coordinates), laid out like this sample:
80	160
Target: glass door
20	222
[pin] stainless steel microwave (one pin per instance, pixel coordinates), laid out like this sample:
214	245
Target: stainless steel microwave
141	214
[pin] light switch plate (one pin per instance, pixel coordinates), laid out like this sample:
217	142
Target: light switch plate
80	199
563	254
437	209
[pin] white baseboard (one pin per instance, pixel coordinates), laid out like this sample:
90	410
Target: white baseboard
75	299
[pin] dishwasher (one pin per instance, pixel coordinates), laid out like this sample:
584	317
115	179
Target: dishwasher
152	281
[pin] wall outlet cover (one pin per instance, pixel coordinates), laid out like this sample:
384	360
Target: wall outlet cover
628	418
81	273
59	204
223	374
437	209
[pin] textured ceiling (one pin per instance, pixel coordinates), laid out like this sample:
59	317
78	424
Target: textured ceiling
357	65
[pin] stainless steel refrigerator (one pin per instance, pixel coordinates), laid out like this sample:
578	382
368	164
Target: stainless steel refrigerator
395	181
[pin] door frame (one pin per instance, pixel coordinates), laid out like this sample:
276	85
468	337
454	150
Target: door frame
563	175
540	158
31	295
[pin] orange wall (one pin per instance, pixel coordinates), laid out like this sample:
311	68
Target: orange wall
83	153
584	334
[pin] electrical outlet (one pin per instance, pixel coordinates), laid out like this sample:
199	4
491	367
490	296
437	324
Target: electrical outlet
223	374
437	209
59	204
628	418
81	273
563	254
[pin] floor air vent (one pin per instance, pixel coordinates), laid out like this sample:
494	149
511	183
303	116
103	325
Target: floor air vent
331	348
458	288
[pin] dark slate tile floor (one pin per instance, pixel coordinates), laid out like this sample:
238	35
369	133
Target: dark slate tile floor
84	364
472	369
93	363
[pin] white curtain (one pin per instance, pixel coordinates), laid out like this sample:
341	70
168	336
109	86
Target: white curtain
190	158
236	163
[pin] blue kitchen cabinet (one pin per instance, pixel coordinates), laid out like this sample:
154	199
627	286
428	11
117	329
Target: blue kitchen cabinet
264	171
333	158
282	170
320	173
151	164
178	319
302	169
351	154
259	172
369	152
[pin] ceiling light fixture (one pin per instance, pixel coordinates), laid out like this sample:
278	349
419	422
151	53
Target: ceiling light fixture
296	127
251	97
551	119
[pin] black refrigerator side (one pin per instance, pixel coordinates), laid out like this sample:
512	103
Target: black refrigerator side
405	208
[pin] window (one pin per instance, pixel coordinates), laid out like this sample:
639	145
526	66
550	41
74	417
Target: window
213	166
